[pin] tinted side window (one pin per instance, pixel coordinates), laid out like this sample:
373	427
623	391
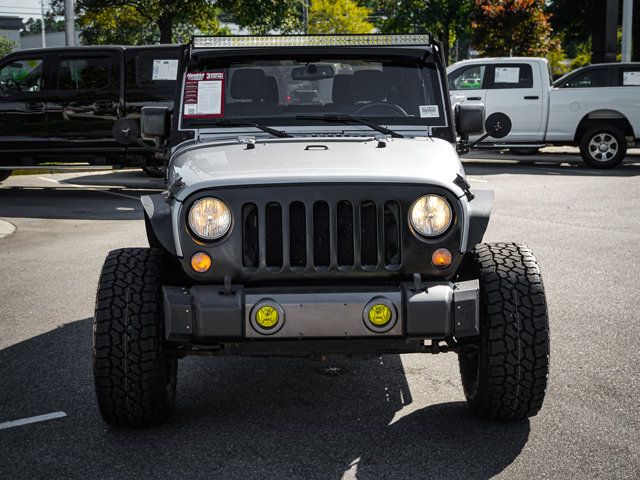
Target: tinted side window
469	78
92	73
152	69
24	75
628	77
592	78
515	75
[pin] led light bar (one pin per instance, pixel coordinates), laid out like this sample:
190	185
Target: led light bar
310	41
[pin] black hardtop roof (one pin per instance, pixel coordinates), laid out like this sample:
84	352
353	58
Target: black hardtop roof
84	48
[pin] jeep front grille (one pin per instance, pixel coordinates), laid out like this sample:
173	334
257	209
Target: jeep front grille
322	235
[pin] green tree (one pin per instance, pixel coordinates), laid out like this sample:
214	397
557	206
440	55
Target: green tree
6	45
512	27
573	20
338	16
133	21
52	23
448	20
261	17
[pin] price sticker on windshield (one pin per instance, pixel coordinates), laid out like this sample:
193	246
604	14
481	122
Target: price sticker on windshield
429	111
203	95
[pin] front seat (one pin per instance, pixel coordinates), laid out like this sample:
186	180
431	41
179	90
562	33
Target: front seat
254	90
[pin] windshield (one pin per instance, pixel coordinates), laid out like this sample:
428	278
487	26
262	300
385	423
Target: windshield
393	90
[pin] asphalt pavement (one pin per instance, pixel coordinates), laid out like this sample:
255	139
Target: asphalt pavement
399	416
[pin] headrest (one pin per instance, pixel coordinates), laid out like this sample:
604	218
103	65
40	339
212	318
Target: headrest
370	85
271	94
248	84
342	89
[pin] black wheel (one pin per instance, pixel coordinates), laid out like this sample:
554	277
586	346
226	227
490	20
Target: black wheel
4	174
603	147
524	151
504	372
135	378
155	171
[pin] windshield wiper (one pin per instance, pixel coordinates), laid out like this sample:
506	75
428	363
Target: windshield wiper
240	122
343	118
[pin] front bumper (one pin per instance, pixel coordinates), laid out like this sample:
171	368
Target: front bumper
207	314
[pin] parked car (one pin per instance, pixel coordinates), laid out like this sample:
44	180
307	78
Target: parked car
596	108
338	221
58	105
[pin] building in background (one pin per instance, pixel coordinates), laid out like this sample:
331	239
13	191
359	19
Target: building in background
53	39
10	27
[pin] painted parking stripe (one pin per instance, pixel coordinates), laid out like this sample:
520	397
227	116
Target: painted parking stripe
89	188
27	421
477	180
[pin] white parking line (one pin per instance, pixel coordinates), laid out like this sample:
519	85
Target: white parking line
27	421
477	180
88	188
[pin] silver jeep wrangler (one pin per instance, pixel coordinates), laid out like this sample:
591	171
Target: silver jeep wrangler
316	205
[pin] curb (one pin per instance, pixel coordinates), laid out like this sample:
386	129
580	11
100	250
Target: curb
6	228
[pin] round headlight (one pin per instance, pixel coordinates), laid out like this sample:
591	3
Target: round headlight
431	215
209	218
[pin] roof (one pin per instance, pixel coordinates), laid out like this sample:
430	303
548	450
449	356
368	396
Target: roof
11	23
100	47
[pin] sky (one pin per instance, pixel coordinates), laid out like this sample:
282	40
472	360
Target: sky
22	8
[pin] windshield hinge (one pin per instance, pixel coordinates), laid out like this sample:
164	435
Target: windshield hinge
250	142
176	187
464	185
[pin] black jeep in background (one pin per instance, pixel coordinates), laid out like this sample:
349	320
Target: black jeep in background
58	105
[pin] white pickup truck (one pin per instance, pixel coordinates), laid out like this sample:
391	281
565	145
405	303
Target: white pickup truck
596	108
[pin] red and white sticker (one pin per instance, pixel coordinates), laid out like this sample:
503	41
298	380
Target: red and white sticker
204	95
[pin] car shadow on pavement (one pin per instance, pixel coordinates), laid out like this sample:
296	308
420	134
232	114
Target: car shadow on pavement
498	164
118	178
242	418
70	203
545	168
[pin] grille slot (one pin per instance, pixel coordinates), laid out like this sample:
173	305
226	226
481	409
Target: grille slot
273	217
368	234
321	235
250	236
344	220
342	235
297	235
392	255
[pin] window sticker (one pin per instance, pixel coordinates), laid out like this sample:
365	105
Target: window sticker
203	94
507	75
165	69
429	111
630	78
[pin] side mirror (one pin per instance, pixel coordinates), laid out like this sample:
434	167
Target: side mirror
469	119
155	123
125	130
498	125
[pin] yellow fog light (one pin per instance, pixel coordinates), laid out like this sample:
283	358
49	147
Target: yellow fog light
441	258
267	317
379	315
201	262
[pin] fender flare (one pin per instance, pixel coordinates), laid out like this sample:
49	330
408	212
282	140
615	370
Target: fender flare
479	214
157	219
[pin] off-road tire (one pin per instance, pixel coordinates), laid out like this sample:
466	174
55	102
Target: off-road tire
135	378
4	174
505	376
605	131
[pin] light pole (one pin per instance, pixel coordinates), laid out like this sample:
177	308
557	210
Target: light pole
627	22
69	24
44	34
